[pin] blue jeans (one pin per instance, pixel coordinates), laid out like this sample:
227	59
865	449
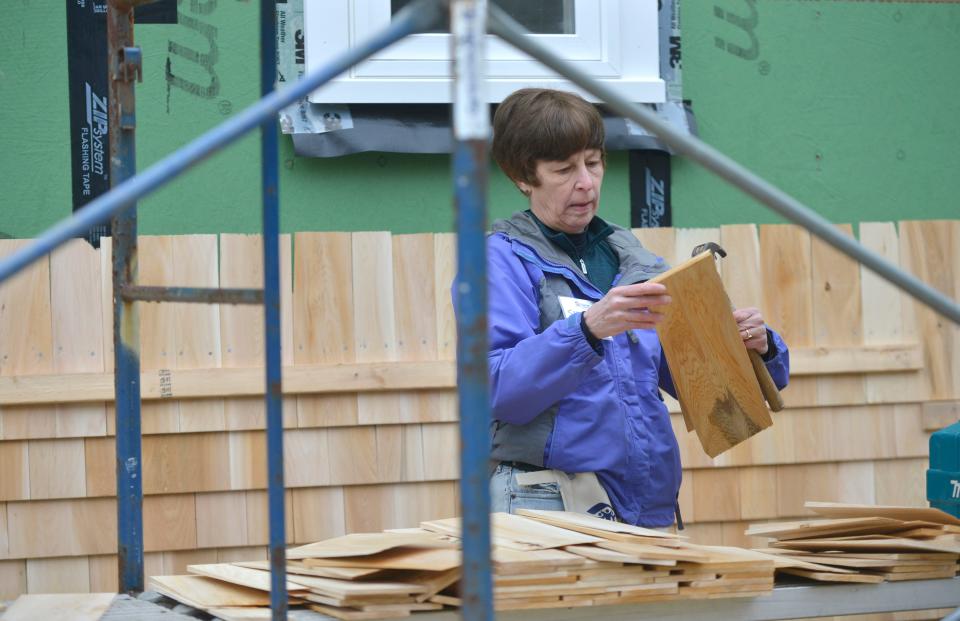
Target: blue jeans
506	496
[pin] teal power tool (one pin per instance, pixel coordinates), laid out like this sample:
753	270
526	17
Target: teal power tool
943	477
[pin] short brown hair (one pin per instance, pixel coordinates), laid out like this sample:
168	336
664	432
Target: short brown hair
541	124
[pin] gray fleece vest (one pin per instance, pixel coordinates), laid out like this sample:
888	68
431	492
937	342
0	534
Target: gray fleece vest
527	443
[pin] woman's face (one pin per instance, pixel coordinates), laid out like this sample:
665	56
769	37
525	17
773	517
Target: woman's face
569	191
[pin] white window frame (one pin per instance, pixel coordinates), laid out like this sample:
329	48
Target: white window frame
616	42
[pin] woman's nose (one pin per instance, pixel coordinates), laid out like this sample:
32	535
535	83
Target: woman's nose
584	179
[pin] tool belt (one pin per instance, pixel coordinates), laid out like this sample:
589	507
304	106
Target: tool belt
581	491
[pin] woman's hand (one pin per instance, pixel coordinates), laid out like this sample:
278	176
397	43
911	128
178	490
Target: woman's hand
633	307
752	328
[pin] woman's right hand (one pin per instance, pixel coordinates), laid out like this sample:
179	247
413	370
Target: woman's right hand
633	307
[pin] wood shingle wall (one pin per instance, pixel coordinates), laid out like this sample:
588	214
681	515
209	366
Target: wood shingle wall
375	446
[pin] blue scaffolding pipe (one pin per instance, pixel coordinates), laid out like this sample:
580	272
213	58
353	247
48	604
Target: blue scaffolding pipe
418	16
726	168
271	317
471	120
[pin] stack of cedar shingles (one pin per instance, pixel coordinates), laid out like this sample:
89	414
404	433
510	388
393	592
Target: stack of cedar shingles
865	543
543	559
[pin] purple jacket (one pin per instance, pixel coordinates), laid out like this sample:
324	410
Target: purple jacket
557	403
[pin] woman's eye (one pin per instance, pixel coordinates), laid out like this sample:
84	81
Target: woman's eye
593	163
563	171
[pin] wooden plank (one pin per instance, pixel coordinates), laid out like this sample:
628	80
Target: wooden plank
194	462
901	482
788	297
57	468
204	592
76	606
804	481
76	306
403	558
445	268
743	283
258	524
158	334
52	528
519	533
885	320
26	342
838	320
661	241
198	326
221	520
718	494
594	526
758	492
366	544
317	514
307	458
849	510
939	414
15	466
13	579
381	376
928	249
707	359
104	574
297	567
353	454
58	575
374	318
378	507
323	327
241	344
871	545
829	576
242	576
183	384
169	522
822	528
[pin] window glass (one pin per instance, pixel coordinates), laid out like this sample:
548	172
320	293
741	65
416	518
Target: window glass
537	16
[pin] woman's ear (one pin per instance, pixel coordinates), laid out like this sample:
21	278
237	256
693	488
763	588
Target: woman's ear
524	188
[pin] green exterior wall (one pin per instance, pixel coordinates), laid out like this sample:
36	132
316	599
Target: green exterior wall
852	107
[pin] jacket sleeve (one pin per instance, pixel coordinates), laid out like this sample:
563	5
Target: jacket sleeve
777	361
529	370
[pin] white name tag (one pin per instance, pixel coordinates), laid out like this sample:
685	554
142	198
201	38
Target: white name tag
569	305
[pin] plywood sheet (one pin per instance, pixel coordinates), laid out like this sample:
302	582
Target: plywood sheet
709	364
77	606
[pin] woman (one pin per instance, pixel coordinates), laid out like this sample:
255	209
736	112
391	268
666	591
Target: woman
575	364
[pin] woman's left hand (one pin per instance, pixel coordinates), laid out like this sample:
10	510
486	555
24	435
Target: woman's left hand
752	329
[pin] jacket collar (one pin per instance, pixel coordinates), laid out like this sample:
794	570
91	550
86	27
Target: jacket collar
637	264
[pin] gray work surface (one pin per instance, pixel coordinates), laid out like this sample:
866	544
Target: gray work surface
785	602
